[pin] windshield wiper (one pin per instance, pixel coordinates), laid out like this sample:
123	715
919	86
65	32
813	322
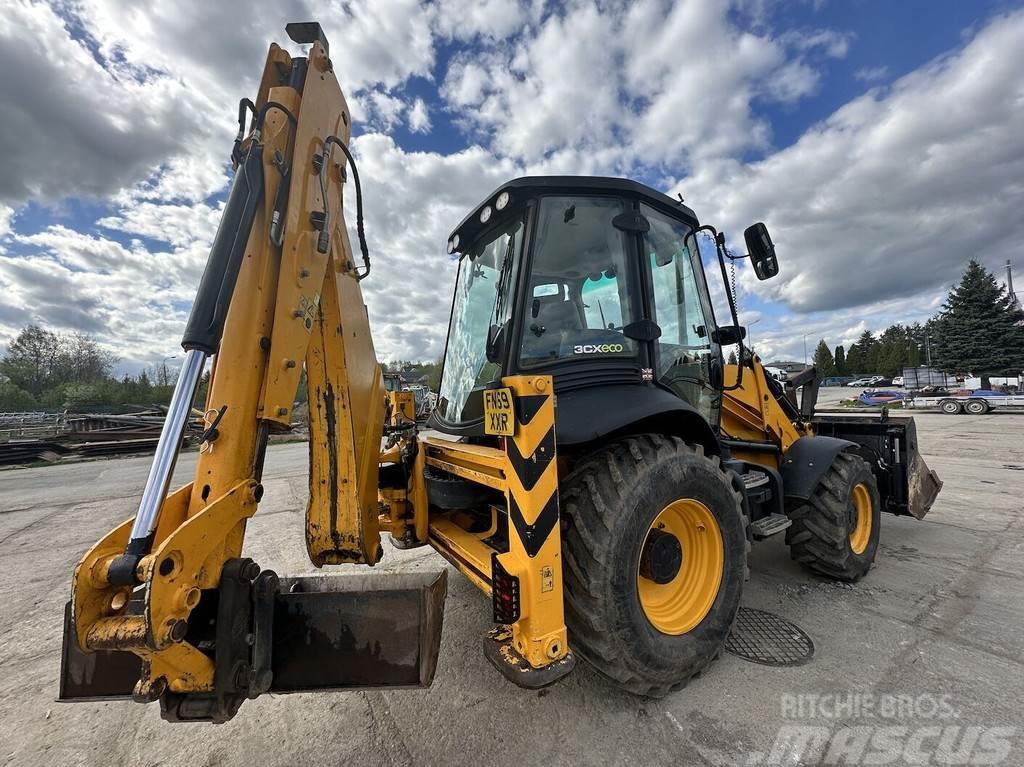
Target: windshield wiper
501	284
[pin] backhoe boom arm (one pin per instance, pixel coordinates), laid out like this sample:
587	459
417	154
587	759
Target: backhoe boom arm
281	290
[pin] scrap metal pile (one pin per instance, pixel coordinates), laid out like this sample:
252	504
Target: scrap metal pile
30	437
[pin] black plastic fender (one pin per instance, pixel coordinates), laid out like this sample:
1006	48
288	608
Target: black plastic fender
806	462
594	414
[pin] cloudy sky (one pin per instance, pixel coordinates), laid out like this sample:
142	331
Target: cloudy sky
882	143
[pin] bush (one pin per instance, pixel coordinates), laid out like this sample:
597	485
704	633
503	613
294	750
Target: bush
14	399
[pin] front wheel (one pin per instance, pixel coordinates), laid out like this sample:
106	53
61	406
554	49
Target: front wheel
950	406
655	558
835	532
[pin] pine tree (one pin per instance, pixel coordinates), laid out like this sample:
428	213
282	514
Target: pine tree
823	361
892	351
840	360
979	330
868	347
732	358
855	361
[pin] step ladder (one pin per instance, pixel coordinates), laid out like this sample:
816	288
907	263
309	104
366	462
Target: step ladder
759	490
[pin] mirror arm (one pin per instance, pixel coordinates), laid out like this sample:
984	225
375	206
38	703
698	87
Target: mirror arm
720	248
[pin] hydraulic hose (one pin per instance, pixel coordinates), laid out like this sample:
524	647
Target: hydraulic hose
359	203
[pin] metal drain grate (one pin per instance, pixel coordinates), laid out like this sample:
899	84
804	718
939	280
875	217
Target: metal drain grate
768	639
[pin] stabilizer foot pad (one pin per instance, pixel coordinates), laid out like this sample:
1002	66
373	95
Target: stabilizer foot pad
515	668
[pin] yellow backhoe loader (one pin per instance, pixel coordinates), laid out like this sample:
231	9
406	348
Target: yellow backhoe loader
591	464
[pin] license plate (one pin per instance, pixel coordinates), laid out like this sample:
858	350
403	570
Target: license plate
499	417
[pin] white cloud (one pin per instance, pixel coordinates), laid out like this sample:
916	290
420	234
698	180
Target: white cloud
830	42
493	19
645	85
419	117
6	216
550	90
133	300
385	110
872	74
413	201
891	195
177	225
81	129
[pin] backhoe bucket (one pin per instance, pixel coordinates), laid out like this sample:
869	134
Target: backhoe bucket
889	444
357	631
318	632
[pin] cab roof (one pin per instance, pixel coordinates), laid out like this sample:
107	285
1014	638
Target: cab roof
531	186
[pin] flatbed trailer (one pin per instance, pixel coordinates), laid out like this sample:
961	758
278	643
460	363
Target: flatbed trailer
970	404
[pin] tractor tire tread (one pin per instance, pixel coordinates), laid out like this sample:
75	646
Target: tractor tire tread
590	497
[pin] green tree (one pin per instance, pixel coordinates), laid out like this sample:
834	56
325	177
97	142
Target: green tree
40	361
31	359
14	399
823	360
855	361
732	358
431	370
891	352
840	360
979	330
868	348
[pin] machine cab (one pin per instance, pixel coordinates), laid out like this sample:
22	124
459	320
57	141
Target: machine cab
595	281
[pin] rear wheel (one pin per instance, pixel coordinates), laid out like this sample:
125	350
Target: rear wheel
835	533
654	560
976	406
950	406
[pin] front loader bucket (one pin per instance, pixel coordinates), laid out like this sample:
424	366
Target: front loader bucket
889	444
923	487
325	632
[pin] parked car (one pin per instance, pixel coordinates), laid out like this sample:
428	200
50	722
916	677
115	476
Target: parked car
866	381
897	381
836	380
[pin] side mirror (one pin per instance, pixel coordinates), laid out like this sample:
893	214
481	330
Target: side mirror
729	334
761	250
495	343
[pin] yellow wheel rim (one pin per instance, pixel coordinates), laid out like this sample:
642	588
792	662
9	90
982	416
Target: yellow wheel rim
681	604
861	532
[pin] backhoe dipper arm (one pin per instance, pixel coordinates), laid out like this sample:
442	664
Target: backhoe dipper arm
280	288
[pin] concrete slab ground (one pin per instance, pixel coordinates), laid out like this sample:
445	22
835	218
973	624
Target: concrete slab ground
922	659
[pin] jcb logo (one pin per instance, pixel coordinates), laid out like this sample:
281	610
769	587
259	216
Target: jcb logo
597	348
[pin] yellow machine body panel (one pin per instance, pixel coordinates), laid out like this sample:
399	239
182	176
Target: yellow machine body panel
751	413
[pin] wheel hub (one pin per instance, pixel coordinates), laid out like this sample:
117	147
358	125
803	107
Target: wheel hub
677	590
661	557
860	518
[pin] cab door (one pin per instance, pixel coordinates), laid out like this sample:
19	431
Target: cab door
687	359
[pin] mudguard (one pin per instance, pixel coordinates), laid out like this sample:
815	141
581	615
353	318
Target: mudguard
806	462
